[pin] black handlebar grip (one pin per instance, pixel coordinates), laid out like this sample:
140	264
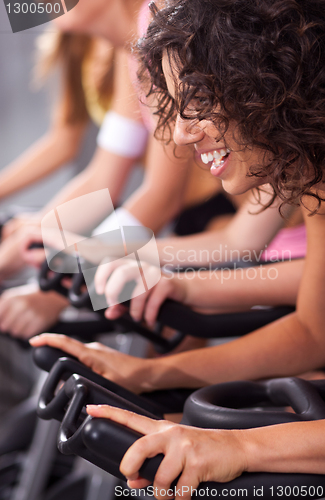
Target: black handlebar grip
49	280
64	367
182	318
100	435
188	322
45	357
108	441
81	392
78	298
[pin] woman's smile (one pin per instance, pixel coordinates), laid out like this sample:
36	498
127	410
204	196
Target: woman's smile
218	158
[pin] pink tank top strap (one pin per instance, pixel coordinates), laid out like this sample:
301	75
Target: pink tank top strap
289	243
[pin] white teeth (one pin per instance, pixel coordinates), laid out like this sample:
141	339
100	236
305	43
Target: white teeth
204	158
216	156
218	163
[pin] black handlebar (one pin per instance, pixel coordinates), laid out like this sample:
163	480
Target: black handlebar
104	442
185	320
229	405
77	297
51	403
174	315
120	439
108	441
50	280
180	317
72	398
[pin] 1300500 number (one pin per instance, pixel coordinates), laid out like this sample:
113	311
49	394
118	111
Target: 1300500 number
33	8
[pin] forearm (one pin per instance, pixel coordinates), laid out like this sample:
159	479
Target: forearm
245	236
196	250
160	197
241	289
283	348
52	151
215	247
152	207
106	170
295	447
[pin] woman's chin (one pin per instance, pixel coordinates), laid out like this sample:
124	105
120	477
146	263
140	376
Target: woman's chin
233	188
240	186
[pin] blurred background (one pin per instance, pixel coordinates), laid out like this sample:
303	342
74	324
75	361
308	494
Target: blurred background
25	112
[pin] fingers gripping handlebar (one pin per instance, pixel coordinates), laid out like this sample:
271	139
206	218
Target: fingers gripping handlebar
52	403
189	322
61	366
172	314
67	404
105	438
104	442
49	280
71	400
98	435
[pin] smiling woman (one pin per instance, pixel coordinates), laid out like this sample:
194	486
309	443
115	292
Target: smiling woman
248	77
258	72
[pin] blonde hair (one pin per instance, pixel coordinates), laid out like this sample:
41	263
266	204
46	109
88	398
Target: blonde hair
68	51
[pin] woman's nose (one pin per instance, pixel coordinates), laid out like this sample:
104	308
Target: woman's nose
187	132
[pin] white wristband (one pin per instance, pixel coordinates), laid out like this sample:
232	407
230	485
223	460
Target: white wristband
120	217
122	136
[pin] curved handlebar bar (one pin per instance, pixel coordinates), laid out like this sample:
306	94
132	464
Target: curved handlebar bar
180	317
228	405
45	357
50	280
78	298
71	400
52	403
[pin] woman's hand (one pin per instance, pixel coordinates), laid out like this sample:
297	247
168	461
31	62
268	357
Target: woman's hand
11	254
192	455
26	311
128	371
19	221
144	304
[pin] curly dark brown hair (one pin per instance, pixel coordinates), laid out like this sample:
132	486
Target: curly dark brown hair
260	63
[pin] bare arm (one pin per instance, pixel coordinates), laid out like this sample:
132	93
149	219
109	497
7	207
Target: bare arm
214	291
160	197
289	346
195	455
106	169
240	289
57	147
247	231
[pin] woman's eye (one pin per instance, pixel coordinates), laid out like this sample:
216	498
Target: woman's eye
200	100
